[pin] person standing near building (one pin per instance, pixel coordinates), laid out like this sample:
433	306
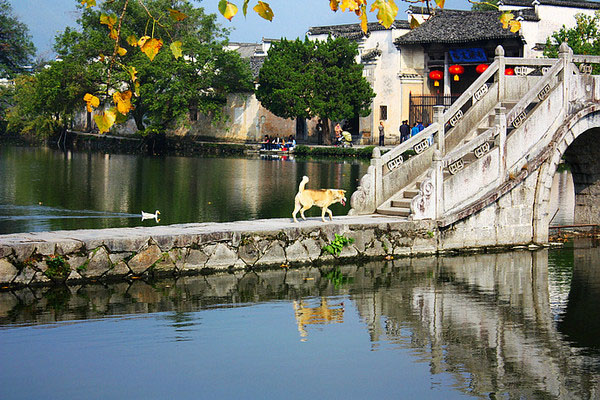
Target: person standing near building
404	131
414	130
381	133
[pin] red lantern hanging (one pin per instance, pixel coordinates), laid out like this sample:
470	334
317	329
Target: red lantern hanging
436	76
481	68
456	70
509	71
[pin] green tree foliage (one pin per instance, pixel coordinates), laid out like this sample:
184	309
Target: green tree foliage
167	87
16	48
306	79
583	38
490	5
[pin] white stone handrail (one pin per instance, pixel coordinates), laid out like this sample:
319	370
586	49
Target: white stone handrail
534	91
470	146
580	58
530	62
432	129
468	94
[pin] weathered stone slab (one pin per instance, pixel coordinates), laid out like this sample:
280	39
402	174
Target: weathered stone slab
144	260
8	272
195	259
97	265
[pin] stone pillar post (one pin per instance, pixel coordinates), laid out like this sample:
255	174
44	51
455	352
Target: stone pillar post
438	117
500	123
438	182
501	66
565	54
447	88
377	165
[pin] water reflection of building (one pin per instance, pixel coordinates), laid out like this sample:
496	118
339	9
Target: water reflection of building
487	322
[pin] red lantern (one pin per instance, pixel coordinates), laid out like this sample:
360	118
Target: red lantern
456	70
509	71
481	68
436	76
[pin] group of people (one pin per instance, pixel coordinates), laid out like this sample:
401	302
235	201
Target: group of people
406	131
277	143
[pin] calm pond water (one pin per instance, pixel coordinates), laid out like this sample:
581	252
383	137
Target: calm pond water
499	326
43	189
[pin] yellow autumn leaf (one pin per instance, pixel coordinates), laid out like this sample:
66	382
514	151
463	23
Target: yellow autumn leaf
176	49
177	15
505	19
91	101
143	40
227	9
440	3
121	51
88	3
334	5
136	88
350	5
105	120
109	20
132	40
133	73
245	7
113	34
264	10
101	57
387	11
363	19
413	23
515	25
151	47
123	101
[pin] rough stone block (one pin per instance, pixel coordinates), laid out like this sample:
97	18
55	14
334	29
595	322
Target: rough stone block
119	269
45	248
248	253
68	246
297	253
97	265
25	276
195	260
144	260
274	255
8	272
313	247
178	257
362	239
165	242
164	264
24	251
220	257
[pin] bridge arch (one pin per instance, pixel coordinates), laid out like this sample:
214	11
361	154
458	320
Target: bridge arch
577	141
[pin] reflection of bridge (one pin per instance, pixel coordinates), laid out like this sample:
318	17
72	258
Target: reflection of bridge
483	169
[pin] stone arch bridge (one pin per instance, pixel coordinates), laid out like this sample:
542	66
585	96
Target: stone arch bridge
483	169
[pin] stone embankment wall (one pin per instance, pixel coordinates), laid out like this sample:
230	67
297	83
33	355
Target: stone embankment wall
45	258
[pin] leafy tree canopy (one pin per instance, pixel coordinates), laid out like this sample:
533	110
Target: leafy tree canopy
583	38
308	79
125	59
16	48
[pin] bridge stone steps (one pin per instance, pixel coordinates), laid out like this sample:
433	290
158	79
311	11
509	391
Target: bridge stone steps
399	205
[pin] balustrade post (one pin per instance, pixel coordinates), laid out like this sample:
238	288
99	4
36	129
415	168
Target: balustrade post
500	123
377	164
565	54
438	181
501	67
438	117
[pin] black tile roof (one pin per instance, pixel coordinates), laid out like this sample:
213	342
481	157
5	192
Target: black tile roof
458	26
354	31
594	5
528	14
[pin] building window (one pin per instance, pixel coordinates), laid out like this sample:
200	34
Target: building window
383	113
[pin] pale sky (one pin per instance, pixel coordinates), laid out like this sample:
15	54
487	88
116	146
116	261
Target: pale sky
292	18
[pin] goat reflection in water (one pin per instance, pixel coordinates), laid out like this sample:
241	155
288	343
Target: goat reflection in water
325	313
